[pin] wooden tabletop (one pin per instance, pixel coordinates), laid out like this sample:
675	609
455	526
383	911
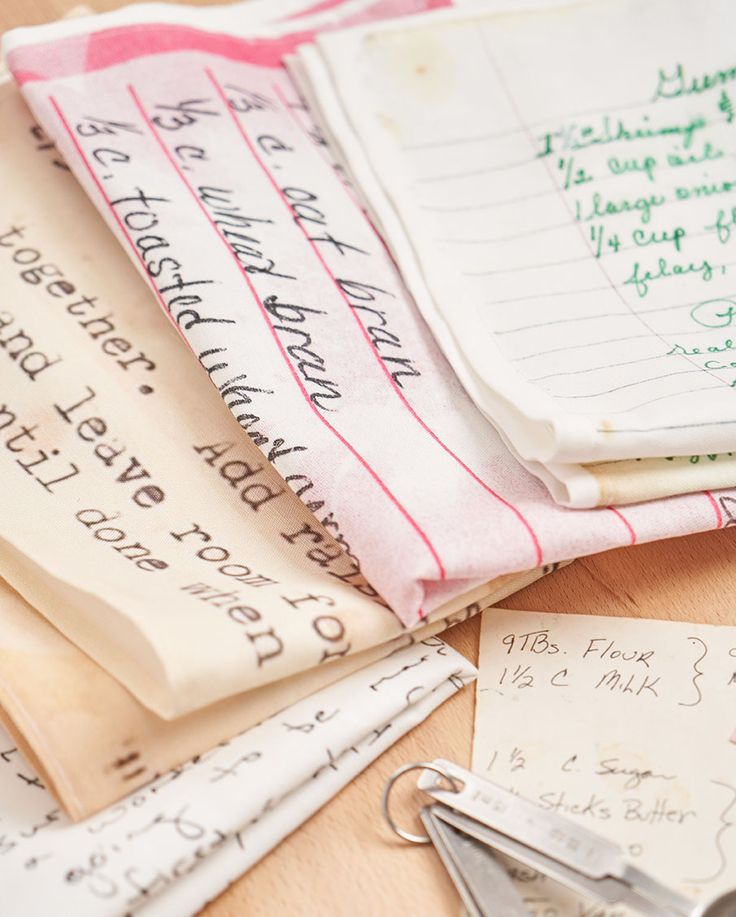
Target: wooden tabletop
343	861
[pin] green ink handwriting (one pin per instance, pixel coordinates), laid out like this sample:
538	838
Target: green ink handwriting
676	84
695	192
724	225
573	137
709	153
647	165
679	350
602	207
644	237
641	278
714	313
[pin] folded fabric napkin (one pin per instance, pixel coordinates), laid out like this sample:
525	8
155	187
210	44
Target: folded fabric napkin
564	237
92	743
223	544
203	160
154	533
171	847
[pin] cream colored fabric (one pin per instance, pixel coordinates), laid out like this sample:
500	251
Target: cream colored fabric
636	480
647	479
93	742
579	486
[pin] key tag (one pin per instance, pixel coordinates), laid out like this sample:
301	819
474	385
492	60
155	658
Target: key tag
474	870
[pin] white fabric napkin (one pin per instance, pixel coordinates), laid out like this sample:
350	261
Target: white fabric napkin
579	353
176	843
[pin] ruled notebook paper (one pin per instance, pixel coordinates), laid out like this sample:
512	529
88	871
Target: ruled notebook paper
568	204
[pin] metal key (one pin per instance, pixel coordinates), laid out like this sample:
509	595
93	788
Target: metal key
471	813
482	882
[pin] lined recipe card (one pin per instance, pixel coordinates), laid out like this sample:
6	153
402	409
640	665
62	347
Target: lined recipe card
567	184
618	724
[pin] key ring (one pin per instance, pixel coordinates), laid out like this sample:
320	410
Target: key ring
419	766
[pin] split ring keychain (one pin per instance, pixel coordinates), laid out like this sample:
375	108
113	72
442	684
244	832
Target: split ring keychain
470	819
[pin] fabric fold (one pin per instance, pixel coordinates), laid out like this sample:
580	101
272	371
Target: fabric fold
572	378
137	516
92	742
172	846
307	311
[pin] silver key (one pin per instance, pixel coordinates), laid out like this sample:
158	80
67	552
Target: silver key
490	816
482	882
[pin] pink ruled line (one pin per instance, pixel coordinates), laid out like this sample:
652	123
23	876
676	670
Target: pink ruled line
366	336
632	533
629	527
716	508
371	471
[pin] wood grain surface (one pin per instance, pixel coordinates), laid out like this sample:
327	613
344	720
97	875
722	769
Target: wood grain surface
343	861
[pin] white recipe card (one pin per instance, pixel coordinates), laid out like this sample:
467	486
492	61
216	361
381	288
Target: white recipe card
622	725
